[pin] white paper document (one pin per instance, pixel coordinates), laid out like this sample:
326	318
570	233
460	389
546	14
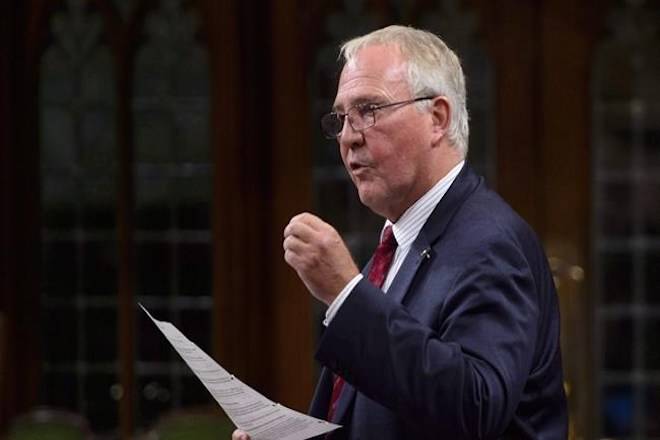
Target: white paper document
250	411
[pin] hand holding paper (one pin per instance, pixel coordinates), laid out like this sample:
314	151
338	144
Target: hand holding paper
250	411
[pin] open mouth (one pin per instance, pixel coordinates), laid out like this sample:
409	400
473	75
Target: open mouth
356	166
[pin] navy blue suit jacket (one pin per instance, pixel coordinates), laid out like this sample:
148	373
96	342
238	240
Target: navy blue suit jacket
465	344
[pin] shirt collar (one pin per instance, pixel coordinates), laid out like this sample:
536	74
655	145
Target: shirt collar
413	219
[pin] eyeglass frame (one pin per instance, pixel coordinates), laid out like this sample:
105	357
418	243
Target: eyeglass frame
366	108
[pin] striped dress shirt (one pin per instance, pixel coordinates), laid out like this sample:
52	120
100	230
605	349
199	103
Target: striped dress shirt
405	231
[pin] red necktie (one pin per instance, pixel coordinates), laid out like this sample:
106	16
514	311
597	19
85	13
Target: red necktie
380	265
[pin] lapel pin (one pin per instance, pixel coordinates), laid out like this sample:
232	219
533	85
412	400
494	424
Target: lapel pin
426	253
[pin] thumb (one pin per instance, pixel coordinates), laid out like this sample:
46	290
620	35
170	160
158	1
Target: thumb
239	435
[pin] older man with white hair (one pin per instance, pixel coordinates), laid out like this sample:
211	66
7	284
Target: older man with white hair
452	329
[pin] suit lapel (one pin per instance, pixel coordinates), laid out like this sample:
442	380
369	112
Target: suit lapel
421	250
419	253
345	400
321	399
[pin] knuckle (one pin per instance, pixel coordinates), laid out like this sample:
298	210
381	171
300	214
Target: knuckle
308	264
298	217
327	241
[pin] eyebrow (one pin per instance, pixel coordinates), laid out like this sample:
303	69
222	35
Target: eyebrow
365	99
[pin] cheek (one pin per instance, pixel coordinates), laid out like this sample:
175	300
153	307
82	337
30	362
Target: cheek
343	153
395	159
398	172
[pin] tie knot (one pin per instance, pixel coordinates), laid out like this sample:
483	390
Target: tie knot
380	264
388	240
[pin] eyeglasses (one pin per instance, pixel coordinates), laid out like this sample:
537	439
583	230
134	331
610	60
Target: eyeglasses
360	117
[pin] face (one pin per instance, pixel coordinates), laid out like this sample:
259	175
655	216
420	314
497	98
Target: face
391	162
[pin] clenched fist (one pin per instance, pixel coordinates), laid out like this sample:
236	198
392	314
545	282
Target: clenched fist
319	256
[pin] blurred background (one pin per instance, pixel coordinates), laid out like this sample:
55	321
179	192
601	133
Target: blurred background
153	150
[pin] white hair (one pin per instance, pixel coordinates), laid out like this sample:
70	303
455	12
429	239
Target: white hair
433	69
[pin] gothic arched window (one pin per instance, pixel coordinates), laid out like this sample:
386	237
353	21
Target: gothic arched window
626	221
81	170
173	183
79	245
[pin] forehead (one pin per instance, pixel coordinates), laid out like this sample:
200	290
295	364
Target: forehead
377	72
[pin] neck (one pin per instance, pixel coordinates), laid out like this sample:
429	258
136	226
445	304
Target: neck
436	174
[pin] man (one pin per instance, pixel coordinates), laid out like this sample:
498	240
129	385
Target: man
452	330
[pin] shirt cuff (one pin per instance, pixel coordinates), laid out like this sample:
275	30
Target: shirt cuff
336	304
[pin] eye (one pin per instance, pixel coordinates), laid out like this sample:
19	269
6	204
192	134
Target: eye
364	109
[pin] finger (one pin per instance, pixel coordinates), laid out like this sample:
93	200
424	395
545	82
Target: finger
292	259
318	225
313	221
301	230
309	219
294	244
297	261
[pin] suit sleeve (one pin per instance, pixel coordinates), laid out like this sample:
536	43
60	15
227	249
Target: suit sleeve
460	376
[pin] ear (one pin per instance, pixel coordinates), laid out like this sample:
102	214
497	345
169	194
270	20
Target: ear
441	116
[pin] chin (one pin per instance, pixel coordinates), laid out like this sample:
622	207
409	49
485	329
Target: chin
371	201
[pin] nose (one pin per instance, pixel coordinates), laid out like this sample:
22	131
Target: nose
348	137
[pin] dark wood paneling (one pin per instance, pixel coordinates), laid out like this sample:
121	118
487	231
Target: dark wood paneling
121	45
262	325
291	194
238	307
7	241
19	211
511	37
568	33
